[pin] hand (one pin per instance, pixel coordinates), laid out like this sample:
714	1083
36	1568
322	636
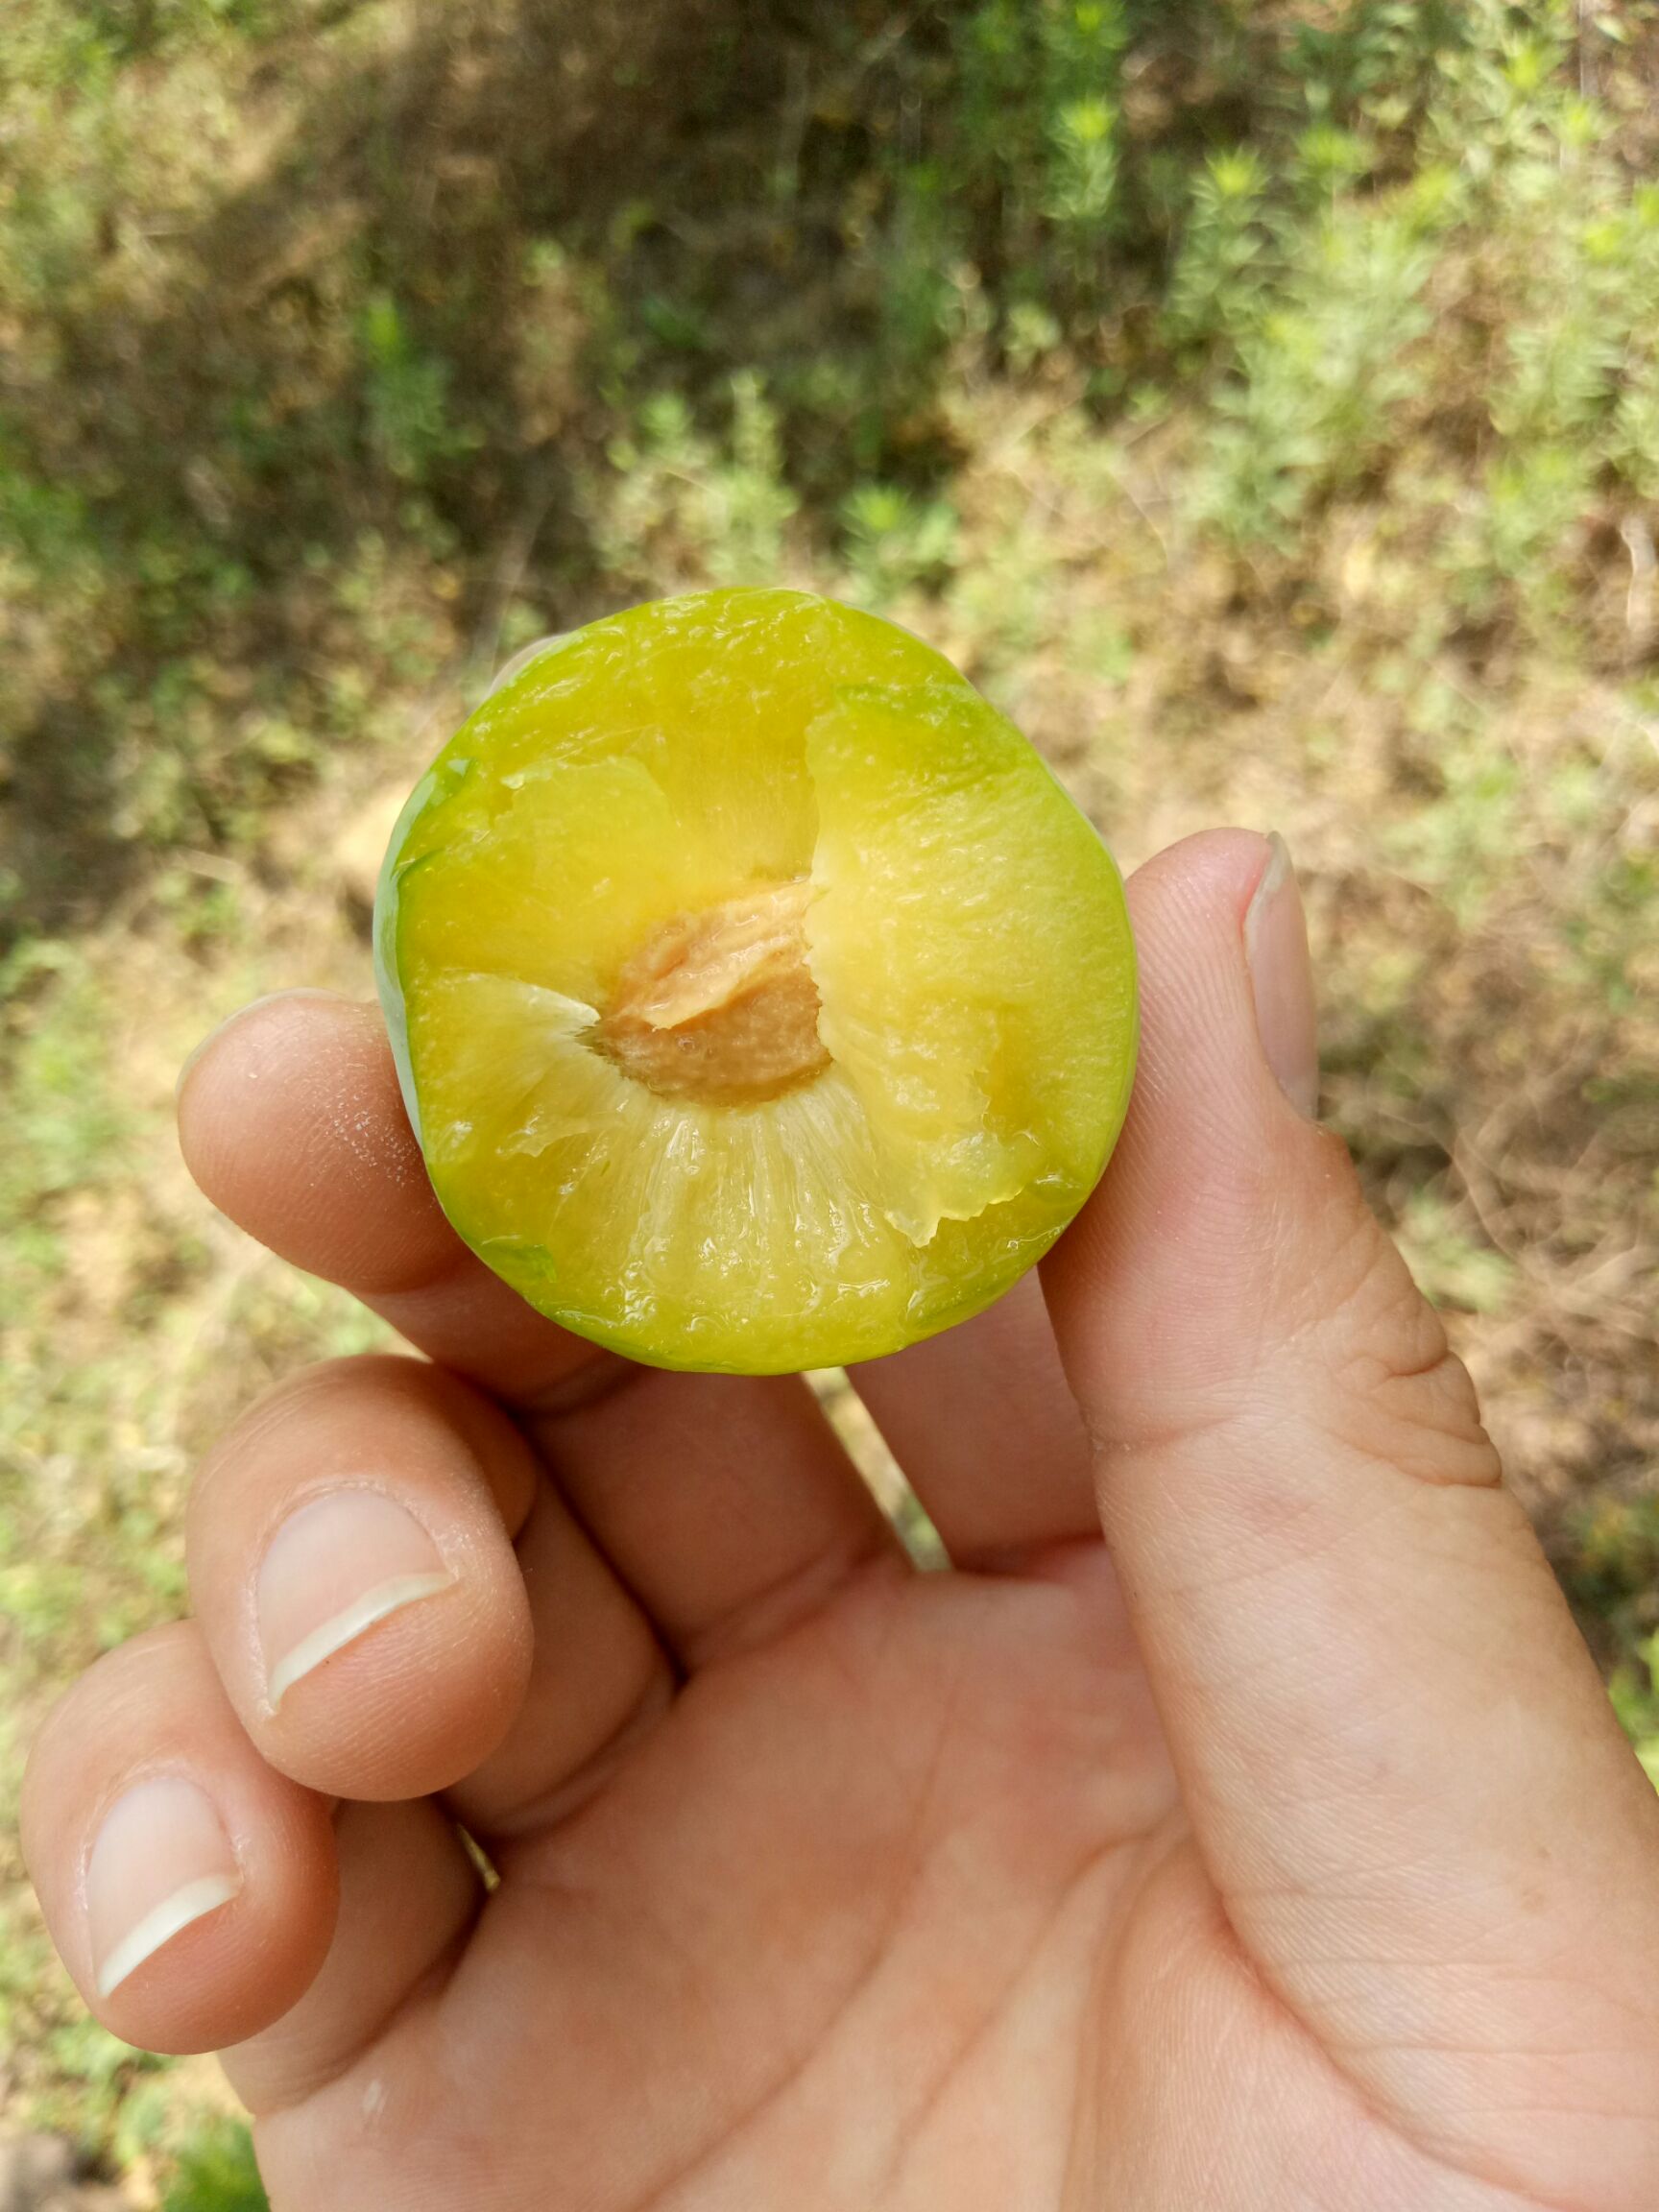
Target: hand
1299	1863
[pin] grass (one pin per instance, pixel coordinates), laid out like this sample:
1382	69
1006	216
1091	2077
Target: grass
1261	401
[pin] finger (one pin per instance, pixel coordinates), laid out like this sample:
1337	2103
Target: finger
725	1502
986	1429
1402	1770
291	1120
598	1680
355	1579
189	1890
409	1896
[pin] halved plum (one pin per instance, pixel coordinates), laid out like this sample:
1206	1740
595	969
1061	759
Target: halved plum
759	998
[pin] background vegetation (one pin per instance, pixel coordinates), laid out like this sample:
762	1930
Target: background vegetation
1259	398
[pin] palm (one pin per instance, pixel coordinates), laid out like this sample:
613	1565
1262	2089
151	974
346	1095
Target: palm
921	1858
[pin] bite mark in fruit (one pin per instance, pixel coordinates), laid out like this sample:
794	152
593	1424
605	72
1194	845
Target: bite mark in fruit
721	1006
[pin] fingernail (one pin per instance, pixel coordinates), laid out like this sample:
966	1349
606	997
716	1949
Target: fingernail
270	999
1282	979
160	1861
335	1569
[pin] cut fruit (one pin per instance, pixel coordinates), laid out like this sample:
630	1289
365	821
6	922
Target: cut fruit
760	999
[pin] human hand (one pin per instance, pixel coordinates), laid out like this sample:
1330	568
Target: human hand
1297	1864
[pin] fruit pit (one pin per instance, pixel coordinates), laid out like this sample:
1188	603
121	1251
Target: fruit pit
720	1007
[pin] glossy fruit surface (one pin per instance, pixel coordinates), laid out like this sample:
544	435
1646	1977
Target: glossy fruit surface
760	1000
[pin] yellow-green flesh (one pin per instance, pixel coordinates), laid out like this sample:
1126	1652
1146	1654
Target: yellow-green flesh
967	935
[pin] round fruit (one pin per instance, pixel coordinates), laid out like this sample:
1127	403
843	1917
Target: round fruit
760	1000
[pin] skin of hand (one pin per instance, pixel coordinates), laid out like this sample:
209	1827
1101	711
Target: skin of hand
1278	1852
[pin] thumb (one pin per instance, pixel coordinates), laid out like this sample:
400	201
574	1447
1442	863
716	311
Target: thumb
1402	1773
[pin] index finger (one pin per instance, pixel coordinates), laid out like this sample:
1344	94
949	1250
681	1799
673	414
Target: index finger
336	1183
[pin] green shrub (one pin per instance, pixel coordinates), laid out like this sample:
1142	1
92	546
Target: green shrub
896	543
215	2172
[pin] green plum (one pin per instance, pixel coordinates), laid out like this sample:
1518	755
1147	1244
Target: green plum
759	998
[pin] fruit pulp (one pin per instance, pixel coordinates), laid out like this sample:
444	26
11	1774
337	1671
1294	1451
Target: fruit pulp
760	1000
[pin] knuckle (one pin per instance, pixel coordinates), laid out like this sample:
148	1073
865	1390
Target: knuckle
1398	1390
1425	1420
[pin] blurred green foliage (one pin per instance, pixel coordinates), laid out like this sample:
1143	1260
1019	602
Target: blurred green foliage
215	2172
290	315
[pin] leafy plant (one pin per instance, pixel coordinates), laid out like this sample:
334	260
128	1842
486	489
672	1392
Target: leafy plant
1324	366
406	396
896	543
697	509
215	2172
1635	1693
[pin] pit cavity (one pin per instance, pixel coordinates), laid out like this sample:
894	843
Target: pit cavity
720	1007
